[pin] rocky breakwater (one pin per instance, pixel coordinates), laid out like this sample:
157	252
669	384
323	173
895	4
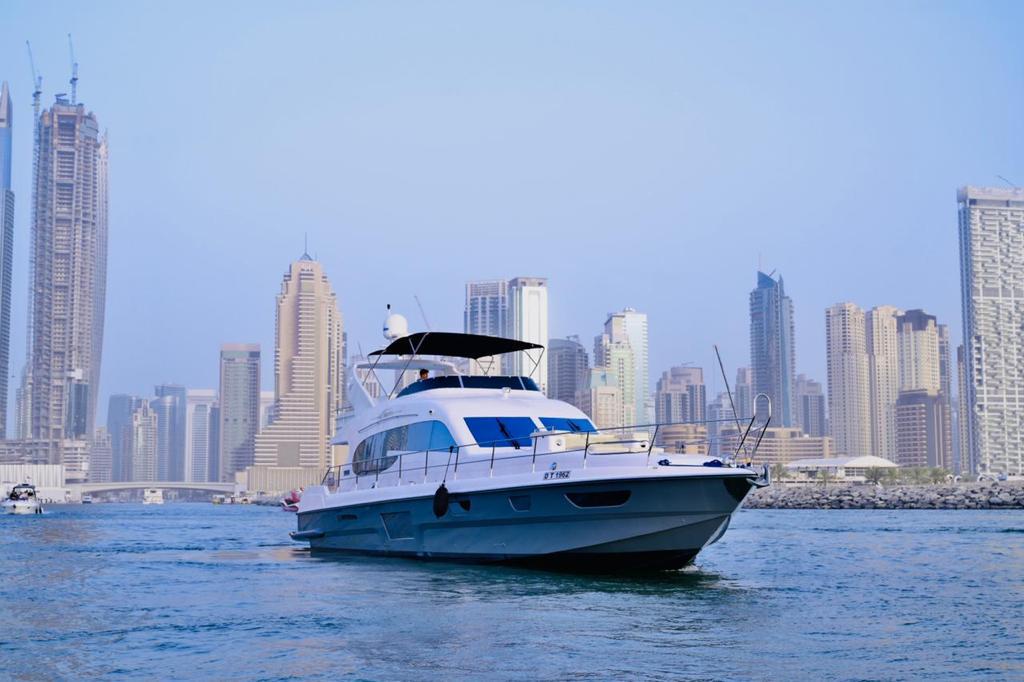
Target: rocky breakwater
985	495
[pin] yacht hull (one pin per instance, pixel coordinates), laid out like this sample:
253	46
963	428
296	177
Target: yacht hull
633	524
21	507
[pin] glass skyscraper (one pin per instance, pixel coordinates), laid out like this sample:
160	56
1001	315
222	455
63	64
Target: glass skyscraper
772	347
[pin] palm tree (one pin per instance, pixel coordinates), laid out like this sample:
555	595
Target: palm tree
874	475
779	472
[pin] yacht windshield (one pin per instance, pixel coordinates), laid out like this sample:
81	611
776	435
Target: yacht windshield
501	432
567	424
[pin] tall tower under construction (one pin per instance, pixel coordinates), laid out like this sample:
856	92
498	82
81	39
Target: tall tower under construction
67	284
6	247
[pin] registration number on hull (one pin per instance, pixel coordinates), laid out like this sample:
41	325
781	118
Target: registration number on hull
550	475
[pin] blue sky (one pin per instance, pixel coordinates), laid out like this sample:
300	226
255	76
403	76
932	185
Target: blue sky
636	153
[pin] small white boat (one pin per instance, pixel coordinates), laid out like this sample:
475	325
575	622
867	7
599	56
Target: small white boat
23	500
153	496
86	499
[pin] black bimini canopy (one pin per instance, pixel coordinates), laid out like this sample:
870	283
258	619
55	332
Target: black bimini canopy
449	344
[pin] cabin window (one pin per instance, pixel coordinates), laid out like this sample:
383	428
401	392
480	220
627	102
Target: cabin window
501	432
380	451
569	425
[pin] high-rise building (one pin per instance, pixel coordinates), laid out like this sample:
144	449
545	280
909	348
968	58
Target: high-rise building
614	366
810	407
945	362
142	442
919	351
923	431
882	339
309	372
679	395
213	465
119	424
486	313
266	408
6	247
100	457
67	282
923	414
849	401
171	405
527	320
720	417
773	347
743	394
604	402
992	290
239	407
200	403
486	307
966	466
568	370
163	408
626	332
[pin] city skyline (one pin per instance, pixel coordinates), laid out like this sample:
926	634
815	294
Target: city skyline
659	210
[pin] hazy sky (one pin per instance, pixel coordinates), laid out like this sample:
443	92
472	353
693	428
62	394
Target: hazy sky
636	154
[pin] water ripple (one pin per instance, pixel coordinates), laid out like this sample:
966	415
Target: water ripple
184	591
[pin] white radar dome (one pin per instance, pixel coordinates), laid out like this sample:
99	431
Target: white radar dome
395	327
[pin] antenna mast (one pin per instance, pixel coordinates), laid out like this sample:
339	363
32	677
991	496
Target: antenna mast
74	72
423	313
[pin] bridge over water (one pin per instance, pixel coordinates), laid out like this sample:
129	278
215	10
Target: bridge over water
91	488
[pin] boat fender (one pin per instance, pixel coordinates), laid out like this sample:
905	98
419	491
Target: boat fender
441	501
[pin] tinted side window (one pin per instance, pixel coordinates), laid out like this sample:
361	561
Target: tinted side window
419	436
566	424
502	432
380	451
440	436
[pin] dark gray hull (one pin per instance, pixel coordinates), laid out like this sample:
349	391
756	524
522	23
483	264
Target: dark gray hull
637	524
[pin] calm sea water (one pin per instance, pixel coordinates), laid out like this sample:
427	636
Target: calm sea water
199	591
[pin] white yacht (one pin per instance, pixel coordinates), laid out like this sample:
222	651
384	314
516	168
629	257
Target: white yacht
23	499
153	496
488	469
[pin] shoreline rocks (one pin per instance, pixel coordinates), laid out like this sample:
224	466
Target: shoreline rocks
985	495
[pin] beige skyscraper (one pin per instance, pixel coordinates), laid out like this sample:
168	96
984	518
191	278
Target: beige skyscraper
923	414
883	377
919	352
849	399
614	368
308	372
67	284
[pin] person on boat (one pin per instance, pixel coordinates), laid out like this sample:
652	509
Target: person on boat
424	374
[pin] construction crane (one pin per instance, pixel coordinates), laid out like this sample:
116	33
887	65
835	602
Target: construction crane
1011	184
74	72
37	83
